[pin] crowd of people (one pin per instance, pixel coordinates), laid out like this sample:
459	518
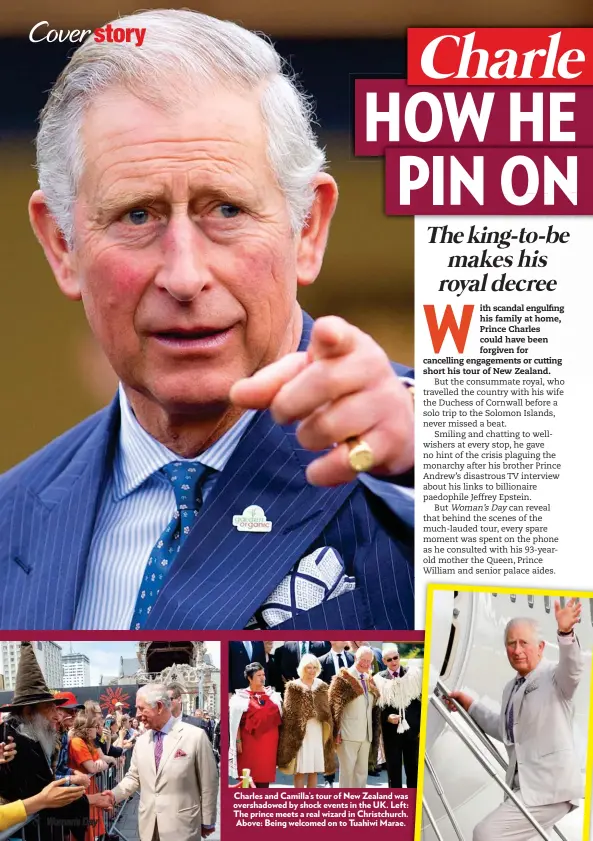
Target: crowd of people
308	708
66	763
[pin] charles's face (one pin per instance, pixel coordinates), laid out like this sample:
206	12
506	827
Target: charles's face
184	257
364	663
523	650
151	716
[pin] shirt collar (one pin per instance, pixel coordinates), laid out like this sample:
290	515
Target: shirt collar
139	455
168	725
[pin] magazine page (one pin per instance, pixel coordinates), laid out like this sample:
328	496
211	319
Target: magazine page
264	267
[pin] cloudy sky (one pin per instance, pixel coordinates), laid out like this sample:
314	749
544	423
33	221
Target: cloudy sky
104	656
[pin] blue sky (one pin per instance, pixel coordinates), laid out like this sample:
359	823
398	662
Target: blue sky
104	656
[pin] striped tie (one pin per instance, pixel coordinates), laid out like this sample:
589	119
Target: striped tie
187	478
158	747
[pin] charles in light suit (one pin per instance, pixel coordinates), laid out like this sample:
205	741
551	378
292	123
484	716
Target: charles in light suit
353	711
178	799
535	725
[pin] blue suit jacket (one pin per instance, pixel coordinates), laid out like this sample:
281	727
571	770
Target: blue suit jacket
238	661
49	503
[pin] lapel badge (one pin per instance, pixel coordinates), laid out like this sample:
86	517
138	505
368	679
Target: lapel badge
252	519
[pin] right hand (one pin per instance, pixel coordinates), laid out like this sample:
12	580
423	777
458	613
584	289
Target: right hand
104	800
393	719
80	779
7	751
55	795
462	698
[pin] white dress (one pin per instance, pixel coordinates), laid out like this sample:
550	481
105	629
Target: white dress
310	759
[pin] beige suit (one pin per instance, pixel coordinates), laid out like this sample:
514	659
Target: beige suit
178	799
543	758
356	730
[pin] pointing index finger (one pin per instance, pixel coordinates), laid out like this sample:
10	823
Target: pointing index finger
331	336
259	390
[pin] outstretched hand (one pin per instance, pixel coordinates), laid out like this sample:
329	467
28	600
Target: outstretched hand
104	800
343	386
567	616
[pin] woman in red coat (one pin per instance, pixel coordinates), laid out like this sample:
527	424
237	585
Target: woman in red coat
255	718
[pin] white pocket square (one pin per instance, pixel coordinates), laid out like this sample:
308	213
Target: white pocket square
316	578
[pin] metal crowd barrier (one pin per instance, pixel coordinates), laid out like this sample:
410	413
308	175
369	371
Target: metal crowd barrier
31	829
441	694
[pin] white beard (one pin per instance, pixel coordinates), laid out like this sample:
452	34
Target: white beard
38	729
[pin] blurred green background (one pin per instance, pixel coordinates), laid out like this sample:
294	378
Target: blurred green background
52	372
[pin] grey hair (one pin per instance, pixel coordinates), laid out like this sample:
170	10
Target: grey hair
364	649
524	620
391	648
198	49
306	660
152	693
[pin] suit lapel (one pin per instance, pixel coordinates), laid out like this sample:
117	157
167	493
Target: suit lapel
170	745
520	693
517	700
504	709
51	523
222	576
151	759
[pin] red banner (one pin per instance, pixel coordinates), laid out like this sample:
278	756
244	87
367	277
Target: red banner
529	56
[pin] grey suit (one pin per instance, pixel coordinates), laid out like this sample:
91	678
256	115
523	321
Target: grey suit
543	754
356	731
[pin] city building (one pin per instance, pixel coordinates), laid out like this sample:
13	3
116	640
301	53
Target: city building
186	663
49	655
9	660
77	670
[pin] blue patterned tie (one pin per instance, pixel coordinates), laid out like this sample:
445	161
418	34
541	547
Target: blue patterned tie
187	477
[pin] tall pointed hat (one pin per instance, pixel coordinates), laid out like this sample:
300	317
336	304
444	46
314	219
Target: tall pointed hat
30	687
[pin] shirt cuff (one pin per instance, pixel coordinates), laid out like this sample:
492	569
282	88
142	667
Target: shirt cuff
208	826
567	639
